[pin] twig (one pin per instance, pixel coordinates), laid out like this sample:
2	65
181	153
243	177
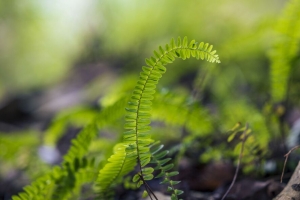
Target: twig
286	158
238	164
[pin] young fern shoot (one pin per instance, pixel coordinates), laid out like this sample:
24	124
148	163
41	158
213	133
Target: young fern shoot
136	138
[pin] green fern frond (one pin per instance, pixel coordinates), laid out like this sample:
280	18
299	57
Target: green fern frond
78	149
119	164
81	143
40	188
137	119
140	104
61	183
158	158
49	181
285	50
74	175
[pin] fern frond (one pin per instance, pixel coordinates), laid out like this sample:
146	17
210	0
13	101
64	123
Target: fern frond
74	175
43	187
40	188
140	104
119	164
49	181
81	143
137	119
79	149
158	158
285	50
61	182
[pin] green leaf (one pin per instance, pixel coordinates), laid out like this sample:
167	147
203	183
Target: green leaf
148	177
192	44
168	167
206	46
170	174
157	149
182	54
138	185
147	69
210	48
147	170
150	62
154	60
161	67
185	42
172	43
161	154
174	182
161	174
201	45
145	194
174	197
129	132
166	180
168	48
178	192
145	162
230	138
136	178
164	161
157	55
202	55
178	42
188	53
161	50
166	60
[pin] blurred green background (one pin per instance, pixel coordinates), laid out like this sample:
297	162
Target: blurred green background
56	55
42	40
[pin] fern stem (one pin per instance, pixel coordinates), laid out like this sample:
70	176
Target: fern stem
148	188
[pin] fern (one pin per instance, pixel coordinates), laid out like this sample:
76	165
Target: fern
46	183
136	137
40	188
81	144
74	175
78	150
120	163
285	50
61	182
158	158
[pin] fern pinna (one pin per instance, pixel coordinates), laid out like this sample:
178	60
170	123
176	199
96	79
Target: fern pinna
136	138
